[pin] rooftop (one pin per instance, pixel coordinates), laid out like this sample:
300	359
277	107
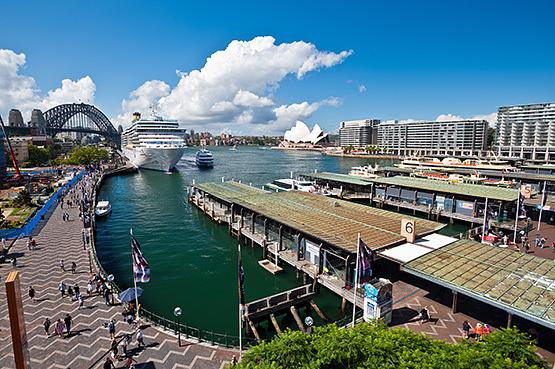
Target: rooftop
336	177
515	282
335	222
471	190
229	191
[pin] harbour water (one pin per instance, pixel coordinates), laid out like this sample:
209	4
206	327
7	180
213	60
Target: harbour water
193	260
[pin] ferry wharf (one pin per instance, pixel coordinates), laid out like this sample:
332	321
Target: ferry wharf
455	279
88	344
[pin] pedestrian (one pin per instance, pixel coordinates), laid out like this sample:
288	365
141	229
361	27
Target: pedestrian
73	267
60	327
466	329
233	361
89	288
424	315
67	321
112	328
478	332
126	342
62	266
62	288
76	291
487	330
542	242
114	355
537	240
130	362
32	293
4	246
14	262
140	338
33	244
108	364
46	324
106	295
527	247
29	243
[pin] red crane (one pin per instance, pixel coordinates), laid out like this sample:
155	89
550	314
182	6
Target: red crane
17	172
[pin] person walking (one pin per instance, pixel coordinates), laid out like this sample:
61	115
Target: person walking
81	302
32	293
76	291
29	243
46	324
112	328
125	342
62	266
14	262
140	338
130	362
60	327
106	294
466	329
68	321
62	288
73	267
108	364
89	288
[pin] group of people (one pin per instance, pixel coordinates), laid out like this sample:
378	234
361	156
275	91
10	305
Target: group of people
124	342
478	332
539	241
62	326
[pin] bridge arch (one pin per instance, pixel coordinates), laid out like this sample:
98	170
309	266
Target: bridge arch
82	118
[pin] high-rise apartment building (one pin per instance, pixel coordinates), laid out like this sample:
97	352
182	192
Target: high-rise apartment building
526	131
457	137
358	133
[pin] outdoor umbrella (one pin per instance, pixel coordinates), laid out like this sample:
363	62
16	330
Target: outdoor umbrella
129	294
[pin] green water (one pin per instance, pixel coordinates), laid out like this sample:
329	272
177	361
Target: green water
193	260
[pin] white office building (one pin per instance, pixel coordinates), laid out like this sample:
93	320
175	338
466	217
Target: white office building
358	133
526	131
457	137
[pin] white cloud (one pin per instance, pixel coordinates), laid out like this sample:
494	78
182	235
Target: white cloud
490	118
235	86
18	91
361	88
448	117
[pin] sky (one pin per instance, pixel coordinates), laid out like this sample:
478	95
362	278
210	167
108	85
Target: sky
253	67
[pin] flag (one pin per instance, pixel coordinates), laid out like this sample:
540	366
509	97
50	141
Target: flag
141	270
522	210
544	197
241	282
365	260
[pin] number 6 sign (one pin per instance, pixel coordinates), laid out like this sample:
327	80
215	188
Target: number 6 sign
408	229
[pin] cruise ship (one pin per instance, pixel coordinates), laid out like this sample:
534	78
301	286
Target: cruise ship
154	143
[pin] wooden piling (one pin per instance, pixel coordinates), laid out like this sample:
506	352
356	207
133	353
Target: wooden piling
275	323
297	319
253	329
318	311
343	303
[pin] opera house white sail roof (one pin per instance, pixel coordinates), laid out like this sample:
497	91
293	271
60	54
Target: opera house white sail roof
300	133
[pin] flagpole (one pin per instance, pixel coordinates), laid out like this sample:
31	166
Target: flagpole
356	280
544	197
134	280
485	220
240	307
517	214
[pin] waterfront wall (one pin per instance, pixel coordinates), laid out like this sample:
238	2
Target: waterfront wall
31	224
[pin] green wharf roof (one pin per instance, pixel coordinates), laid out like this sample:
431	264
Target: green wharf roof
336	177
518	283
332	221
228	191
464	189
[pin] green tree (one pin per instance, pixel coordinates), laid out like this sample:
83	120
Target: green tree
376	346
23	199
86	155
38	156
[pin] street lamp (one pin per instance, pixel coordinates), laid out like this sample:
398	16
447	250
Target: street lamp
309	323
110	279
177	313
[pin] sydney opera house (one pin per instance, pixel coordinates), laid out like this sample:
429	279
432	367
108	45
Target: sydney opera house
301	137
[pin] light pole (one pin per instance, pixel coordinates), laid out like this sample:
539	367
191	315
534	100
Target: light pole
110	279
177	313
309	323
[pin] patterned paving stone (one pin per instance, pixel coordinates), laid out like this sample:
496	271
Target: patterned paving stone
88	344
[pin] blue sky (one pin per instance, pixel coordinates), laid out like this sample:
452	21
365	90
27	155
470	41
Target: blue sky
416	59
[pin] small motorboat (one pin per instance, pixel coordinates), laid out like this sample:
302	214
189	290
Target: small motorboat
103	208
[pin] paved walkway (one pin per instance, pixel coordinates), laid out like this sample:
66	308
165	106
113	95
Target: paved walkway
89	341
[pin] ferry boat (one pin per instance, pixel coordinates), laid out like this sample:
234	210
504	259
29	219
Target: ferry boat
102	209
449	163
154	143
366	171
204	159
288	184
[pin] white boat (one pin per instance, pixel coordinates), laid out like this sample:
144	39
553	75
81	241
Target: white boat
288	184
366	171
204	159
448	163
102	209
154	143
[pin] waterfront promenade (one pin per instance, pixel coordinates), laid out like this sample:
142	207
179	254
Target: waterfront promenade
88	344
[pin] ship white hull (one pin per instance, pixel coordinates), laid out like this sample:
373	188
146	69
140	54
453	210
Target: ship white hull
162	159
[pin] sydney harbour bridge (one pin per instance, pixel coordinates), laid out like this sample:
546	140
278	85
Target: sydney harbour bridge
79	118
